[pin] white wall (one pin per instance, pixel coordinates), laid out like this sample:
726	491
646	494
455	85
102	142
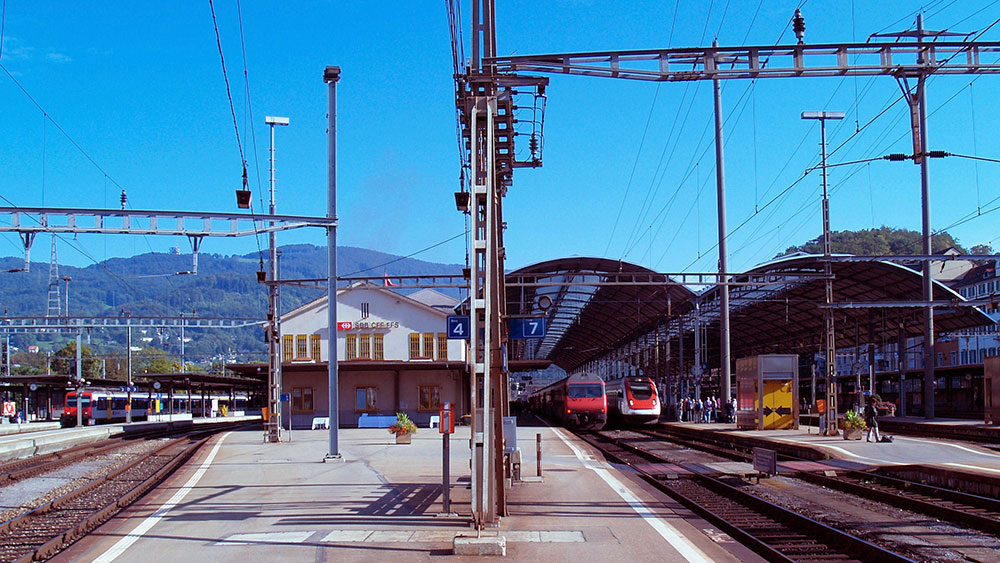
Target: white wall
398	316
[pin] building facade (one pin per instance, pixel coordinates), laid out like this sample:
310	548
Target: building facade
393	356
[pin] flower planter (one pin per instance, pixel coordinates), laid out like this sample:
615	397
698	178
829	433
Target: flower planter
853	433
405	438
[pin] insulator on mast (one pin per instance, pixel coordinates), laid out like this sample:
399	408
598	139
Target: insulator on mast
799	25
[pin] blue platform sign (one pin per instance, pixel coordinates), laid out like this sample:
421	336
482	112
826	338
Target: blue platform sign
526	328
285	397
129	389
459	327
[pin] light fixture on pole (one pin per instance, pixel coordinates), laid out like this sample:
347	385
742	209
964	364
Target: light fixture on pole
829	344
274	378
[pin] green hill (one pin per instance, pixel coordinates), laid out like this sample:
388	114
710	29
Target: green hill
225	286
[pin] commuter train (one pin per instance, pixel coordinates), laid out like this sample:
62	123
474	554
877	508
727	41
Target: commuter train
578	400
632	400
101	406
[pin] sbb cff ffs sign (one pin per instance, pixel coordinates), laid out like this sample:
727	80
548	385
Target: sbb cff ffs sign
347	325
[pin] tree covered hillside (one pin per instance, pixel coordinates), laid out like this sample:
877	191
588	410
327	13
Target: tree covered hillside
881	242
225	286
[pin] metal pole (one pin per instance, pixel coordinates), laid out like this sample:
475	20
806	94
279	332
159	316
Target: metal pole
274	389
829	335
128	372
902	369
720	180
925	200
331	75
538	454
79	378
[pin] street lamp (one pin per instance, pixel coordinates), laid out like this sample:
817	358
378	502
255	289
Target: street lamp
829	341
274	377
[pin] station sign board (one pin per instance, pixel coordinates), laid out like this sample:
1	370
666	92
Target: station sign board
459	327
129	388
520	329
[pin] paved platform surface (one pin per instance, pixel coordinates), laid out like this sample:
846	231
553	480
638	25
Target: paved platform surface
243	500
904	450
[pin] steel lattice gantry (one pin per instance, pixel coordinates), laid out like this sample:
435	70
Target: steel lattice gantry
904	61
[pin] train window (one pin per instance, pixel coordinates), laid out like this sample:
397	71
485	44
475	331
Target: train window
102	403
71	401
364	399
429	398
641	391
585	391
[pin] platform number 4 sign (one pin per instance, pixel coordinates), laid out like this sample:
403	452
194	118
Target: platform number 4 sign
527	328
458	327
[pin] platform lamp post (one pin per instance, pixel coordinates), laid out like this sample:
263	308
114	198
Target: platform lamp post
829	341
274	377
331	75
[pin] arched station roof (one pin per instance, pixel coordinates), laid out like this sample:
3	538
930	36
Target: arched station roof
787	318
599	304
595	304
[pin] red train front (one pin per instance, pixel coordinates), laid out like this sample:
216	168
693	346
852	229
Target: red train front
69	414
577	400
632	400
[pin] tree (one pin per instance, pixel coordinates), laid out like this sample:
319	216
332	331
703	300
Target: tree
64	361
981	249
154	360
878	242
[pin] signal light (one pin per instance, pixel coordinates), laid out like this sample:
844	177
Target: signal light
568	411
243	199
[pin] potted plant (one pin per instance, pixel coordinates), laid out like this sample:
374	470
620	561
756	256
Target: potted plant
403	428
854	425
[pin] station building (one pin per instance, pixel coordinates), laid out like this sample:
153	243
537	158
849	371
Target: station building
394	357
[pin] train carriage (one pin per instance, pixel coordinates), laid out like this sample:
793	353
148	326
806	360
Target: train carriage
632	400
578	400
102	406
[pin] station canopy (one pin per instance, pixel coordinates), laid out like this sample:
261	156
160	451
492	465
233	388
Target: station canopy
590	305
598	305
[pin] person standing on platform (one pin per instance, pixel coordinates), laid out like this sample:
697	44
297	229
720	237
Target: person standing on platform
871	420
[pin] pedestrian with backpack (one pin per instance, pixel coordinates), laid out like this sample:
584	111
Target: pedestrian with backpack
871	420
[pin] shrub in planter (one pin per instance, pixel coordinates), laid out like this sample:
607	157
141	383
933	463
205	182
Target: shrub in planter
403	425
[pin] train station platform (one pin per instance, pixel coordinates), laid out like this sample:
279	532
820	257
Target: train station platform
32	440
837	452
243	500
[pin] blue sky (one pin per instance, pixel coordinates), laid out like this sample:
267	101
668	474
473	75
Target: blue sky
139	87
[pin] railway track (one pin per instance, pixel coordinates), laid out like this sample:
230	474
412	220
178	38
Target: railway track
46	530
959	508
775	533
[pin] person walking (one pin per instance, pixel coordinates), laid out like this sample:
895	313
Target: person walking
871	420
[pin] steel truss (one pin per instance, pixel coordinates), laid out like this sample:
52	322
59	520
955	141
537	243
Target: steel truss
781	61
35	324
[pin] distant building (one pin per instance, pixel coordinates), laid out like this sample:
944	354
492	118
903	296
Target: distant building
394	356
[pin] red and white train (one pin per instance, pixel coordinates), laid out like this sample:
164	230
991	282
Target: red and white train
578	400
632	400
101	405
